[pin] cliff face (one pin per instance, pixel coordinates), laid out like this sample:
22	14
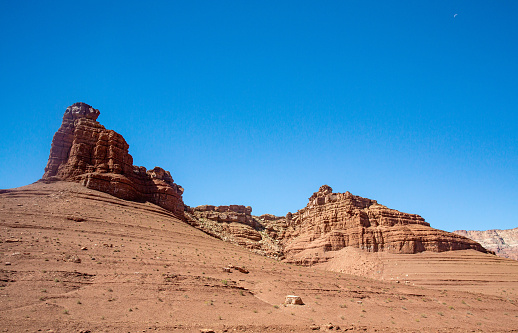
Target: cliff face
330	222
503	242
84	151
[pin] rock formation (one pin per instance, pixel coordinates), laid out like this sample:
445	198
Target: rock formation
84	151
503	242
330	222
234	224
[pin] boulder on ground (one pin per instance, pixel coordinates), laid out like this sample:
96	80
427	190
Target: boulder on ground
293	300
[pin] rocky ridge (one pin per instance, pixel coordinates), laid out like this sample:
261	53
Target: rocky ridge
329	222
85	152
503	242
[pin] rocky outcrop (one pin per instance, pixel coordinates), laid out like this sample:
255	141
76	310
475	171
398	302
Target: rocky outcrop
503	242
332	221
84	151
232	213
235	224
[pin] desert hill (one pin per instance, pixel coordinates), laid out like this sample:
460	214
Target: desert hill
503	242
100	245
76	259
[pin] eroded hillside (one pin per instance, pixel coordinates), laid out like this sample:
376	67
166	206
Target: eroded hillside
76	259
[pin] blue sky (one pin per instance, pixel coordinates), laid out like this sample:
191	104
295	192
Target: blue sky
261	102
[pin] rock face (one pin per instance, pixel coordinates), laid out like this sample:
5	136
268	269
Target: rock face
330	222
232	213
503	242
84	151
234	224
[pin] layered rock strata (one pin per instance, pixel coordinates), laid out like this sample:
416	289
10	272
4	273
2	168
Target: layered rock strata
503	242
236	224
330	222
84	151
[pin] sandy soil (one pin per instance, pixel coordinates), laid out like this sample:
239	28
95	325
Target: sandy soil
143	270
466	270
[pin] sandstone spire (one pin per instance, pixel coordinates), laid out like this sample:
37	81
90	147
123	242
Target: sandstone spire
84	151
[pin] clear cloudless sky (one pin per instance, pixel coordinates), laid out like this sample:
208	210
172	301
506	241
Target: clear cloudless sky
411	103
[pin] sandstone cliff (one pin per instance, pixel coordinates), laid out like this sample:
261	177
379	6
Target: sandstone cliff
330	222
84	151
503	242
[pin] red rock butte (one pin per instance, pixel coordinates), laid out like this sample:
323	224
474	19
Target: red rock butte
333	221
84	151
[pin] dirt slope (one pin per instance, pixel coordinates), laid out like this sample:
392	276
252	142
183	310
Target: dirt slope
466	270
141	270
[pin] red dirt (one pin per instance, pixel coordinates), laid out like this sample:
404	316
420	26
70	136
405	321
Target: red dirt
145	270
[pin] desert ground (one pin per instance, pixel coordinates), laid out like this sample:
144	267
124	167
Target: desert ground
78	260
